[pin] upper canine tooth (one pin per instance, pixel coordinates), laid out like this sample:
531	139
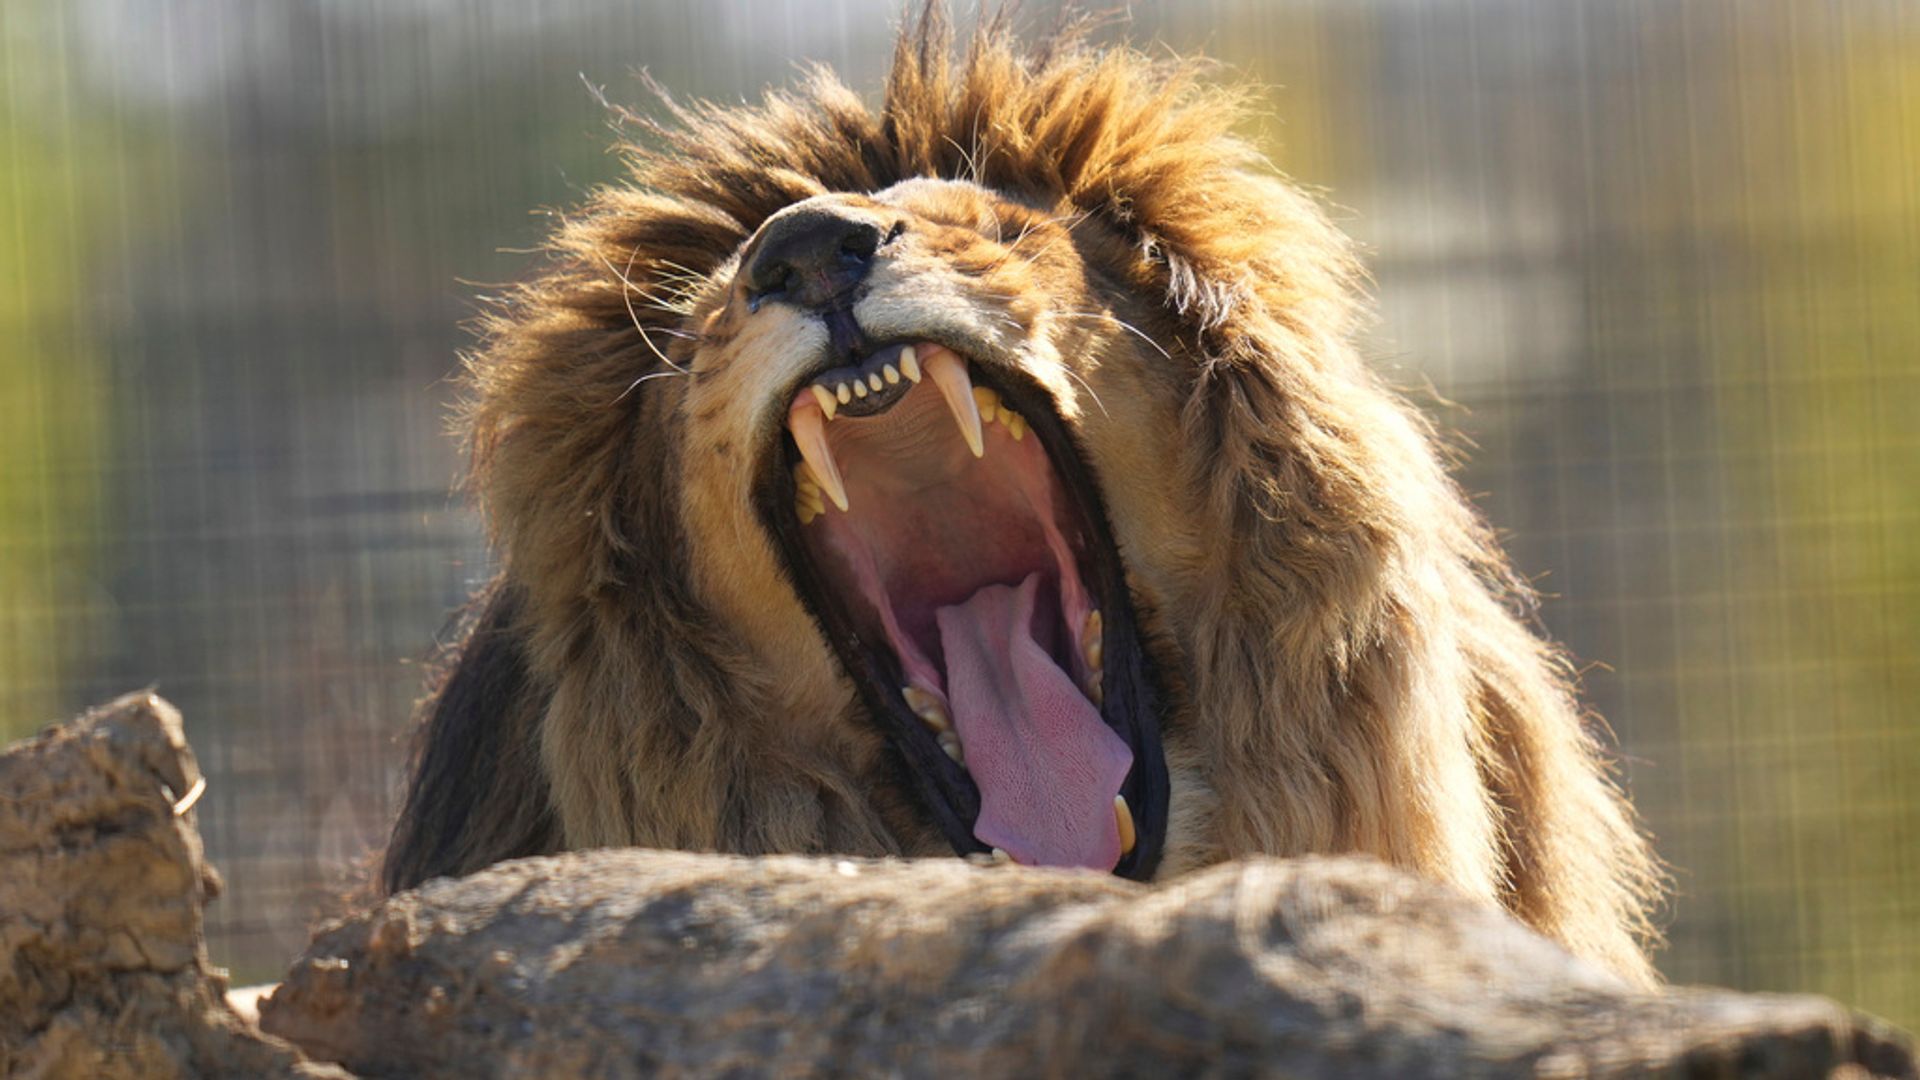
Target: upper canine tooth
828	404
950	375
909	363
807	421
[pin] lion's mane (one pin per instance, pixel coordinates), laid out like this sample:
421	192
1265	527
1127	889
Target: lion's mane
1349	663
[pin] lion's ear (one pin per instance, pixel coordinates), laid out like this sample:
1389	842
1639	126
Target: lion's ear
477	794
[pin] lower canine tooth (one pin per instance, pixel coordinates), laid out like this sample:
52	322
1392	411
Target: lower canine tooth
806	421
1123	817
909	364
1092	643
951	744
949	373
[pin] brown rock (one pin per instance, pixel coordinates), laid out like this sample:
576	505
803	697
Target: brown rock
103	966
629	963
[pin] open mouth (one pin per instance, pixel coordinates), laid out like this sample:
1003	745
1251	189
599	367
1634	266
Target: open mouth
946	534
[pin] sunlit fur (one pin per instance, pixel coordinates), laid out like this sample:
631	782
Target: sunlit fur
1336	634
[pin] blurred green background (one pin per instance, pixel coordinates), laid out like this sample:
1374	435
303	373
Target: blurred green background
1660	259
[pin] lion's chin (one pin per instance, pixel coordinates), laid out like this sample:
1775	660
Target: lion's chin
945	533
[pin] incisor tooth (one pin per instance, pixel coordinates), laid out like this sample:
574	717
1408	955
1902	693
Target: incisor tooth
1002	858
826	399
1092	645
909	363
1123	817
842	393
1017	425
951	744
809	428
873	380
893	373
988	401
949	373
859	388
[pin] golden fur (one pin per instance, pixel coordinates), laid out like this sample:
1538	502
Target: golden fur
1335	630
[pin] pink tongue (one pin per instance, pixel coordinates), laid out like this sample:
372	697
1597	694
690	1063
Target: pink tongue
1047	766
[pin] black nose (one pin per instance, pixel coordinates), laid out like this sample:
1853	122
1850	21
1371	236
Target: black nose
811	256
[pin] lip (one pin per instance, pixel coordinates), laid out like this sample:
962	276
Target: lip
1129	699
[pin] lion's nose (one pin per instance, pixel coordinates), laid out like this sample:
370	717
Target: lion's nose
811	256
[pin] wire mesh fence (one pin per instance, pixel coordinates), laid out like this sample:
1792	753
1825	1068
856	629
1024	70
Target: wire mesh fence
1658	263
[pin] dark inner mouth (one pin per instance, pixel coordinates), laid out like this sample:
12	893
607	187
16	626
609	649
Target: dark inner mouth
944	531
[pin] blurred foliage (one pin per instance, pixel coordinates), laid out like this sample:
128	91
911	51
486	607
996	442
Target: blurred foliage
53	443
1805	712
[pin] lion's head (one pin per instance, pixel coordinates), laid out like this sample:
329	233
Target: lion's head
990	470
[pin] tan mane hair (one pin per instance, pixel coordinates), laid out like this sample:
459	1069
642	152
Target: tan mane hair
1349	666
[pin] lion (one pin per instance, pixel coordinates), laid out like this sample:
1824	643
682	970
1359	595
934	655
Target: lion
990	473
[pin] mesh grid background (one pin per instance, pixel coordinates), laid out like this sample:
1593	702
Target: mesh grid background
1655	264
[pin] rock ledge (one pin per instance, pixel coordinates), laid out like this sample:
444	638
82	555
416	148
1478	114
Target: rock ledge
634	963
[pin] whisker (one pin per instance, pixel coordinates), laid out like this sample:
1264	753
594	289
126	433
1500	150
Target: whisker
1067	222
655	375
972	171
689	271
1123	324
626	296
1088	388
